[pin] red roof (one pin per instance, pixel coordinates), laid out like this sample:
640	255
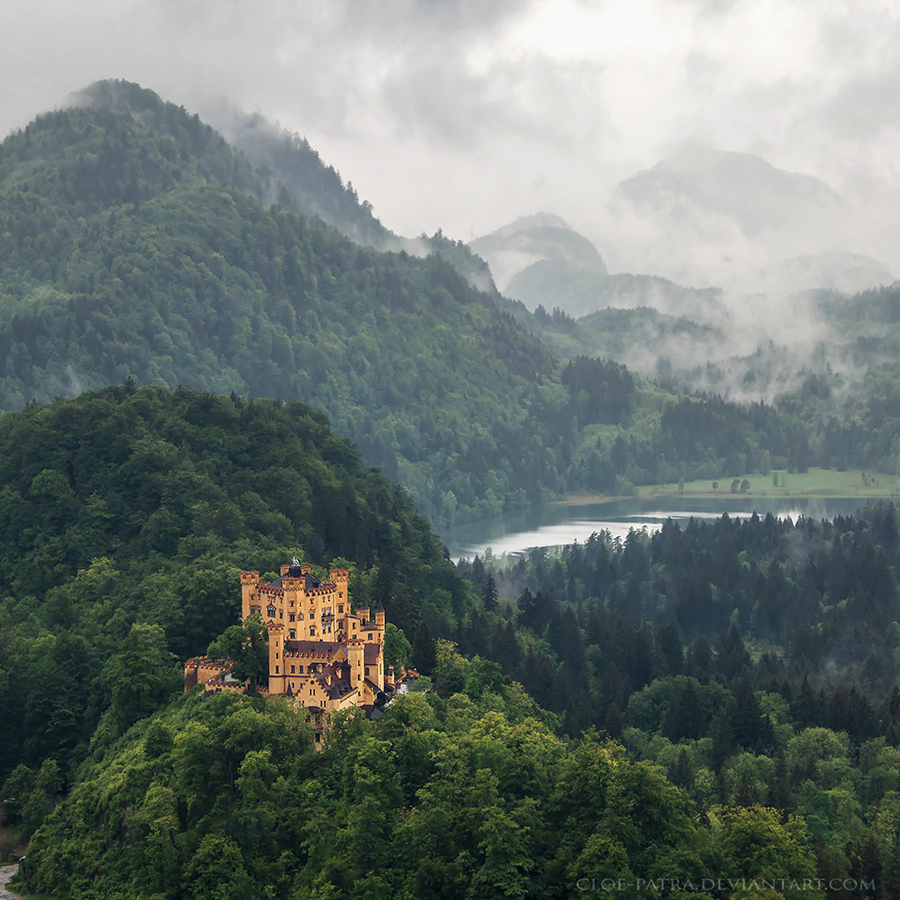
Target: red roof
325	649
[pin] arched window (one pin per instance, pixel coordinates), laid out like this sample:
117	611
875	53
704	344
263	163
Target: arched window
270	612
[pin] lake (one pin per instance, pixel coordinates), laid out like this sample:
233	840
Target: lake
558	524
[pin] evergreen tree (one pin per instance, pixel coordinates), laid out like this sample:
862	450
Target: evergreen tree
424	650
489	596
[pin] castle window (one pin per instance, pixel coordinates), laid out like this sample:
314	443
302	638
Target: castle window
367	670
292	617
293	634
276	670
292	602
370	637
341	608
292	671
340	593
270	612
280	613
354	626
312	629
300	616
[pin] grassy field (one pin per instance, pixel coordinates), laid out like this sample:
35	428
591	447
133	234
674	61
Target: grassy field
814	483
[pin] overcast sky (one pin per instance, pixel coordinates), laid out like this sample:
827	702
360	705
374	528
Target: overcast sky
463	114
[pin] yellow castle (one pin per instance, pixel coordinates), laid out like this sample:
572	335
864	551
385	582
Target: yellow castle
321	654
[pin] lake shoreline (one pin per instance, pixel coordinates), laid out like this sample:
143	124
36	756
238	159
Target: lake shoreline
560	523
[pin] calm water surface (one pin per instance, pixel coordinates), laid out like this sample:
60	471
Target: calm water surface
560	524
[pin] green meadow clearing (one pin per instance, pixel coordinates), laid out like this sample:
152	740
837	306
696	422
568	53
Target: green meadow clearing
814	483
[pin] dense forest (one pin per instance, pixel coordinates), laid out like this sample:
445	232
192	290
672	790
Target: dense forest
125	517
135	246
642	709
469	796
756	662
711	711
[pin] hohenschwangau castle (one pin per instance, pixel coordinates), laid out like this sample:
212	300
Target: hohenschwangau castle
320	653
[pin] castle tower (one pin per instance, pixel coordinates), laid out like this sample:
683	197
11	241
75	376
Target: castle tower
249	584
379	622
355	657
341	579
276	658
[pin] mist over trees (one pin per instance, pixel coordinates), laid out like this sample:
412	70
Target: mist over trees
128	253
639	709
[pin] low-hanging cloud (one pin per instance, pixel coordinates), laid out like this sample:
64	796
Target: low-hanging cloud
463	115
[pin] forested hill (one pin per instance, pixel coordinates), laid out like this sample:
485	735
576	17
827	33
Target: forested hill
124	255
285	170
132	247
125	516
288	170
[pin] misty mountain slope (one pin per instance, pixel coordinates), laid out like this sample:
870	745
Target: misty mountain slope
849	273
551	284
741	186
304	183
275	166
865	310
541	260
123	256
147	269
644	339
290	172
530	239
705	216
842	339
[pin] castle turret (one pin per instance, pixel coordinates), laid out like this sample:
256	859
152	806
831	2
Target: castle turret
341	579
276	658
355	657
249	585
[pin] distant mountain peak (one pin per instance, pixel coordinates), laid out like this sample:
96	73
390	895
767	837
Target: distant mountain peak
535	220
742	186
530	239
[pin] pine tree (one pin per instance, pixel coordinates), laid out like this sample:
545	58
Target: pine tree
424	650
489	596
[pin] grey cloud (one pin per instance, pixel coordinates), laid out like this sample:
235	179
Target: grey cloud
538	100
399	93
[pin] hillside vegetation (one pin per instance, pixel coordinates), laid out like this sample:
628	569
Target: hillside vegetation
472	796
125	517
129	254
135	246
